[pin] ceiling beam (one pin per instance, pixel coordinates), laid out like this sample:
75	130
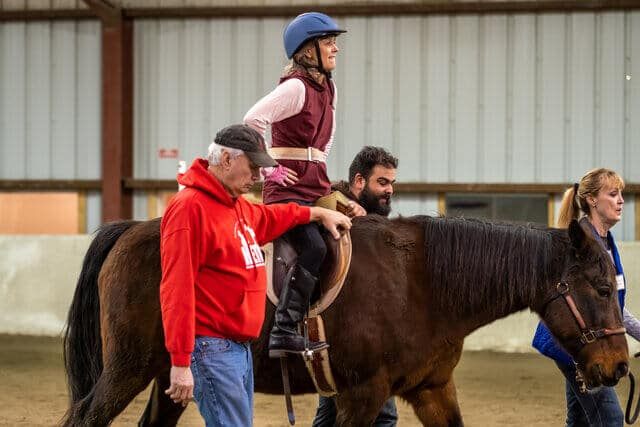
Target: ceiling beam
103	7
382	9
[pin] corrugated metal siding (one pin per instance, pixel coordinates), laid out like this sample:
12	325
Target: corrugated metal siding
194	77
50	100
491	98
487	98
461	98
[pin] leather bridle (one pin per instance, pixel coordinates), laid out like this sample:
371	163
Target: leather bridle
587	335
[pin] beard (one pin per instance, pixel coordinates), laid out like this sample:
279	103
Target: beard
372	202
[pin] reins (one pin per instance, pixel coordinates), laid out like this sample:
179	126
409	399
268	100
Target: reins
629	419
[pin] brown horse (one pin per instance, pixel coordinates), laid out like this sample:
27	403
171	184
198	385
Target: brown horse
416	288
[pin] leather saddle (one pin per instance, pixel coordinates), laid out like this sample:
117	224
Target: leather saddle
280	258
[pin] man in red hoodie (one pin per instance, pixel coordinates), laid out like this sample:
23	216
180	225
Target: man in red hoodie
213	288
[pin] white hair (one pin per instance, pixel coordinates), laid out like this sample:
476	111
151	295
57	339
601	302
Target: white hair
214	155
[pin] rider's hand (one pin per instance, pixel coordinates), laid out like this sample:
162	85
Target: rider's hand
181	388
281	175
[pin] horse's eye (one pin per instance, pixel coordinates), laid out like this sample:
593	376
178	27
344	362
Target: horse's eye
604	292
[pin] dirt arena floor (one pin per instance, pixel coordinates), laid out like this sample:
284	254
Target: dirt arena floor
494	389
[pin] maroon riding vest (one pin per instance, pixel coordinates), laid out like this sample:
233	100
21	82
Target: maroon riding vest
311	127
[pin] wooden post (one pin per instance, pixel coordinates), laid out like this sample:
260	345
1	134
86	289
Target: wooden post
82	212
117	110
551	210
152	204
442	204
637	209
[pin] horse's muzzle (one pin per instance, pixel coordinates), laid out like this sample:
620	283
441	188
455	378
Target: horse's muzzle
597	377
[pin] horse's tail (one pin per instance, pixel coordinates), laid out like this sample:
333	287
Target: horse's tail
82	344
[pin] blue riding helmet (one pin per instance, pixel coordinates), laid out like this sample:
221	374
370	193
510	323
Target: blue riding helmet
305	27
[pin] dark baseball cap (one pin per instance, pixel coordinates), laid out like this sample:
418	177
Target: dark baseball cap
248	140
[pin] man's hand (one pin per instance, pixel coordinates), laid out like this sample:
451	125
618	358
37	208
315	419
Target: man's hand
332	220
355	210
181	388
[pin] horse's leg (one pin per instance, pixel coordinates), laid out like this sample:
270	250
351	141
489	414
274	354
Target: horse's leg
436	406
115	389
109	397
161	410
130	363
360	405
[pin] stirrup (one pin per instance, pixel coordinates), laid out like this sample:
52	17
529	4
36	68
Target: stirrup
307	353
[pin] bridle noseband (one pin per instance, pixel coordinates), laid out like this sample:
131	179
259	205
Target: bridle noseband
587	335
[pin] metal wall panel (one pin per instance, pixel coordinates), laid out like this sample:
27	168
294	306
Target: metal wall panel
492	111
466	98
87	99
12	100
580	154
50	100
436	103
632	97
522	90
460	98
193	77
550	79
353	94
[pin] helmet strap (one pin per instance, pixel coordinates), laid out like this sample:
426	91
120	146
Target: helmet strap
320	65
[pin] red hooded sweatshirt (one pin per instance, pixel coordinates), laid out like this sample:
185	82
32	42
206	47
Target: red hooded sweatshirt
213	275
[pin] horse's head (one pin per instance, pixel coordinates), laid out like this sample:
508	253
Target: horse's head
583	313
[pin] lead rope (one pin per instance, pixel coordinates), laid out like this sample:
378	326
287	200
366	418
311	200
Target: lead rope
632	386
627	415
582	384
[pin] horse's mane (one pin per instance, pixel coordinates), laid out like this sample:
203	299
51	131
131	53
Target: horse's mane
495	265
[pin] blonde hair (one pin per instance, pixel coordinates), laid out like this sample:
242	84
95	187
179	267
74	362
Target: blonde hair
301	63
574	200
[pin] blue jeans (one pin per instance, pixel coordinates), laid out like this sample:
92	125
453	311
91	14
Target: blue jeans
595	408
326	413
223	381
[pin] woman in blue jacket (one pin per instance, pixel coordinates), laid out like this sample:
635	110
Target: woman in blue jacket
597	202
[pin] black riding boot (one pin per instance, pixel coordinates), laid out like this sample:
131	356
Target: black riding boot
294	300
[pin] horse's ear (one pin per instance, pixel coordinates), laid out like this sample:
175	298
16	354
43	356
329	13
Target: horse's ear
577	235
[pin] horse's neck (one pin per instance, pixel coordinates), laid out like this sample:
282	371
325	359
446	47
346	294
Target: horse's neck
482	313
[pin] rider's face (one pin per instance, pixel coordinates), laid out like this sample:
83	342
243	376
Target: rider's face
328	51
